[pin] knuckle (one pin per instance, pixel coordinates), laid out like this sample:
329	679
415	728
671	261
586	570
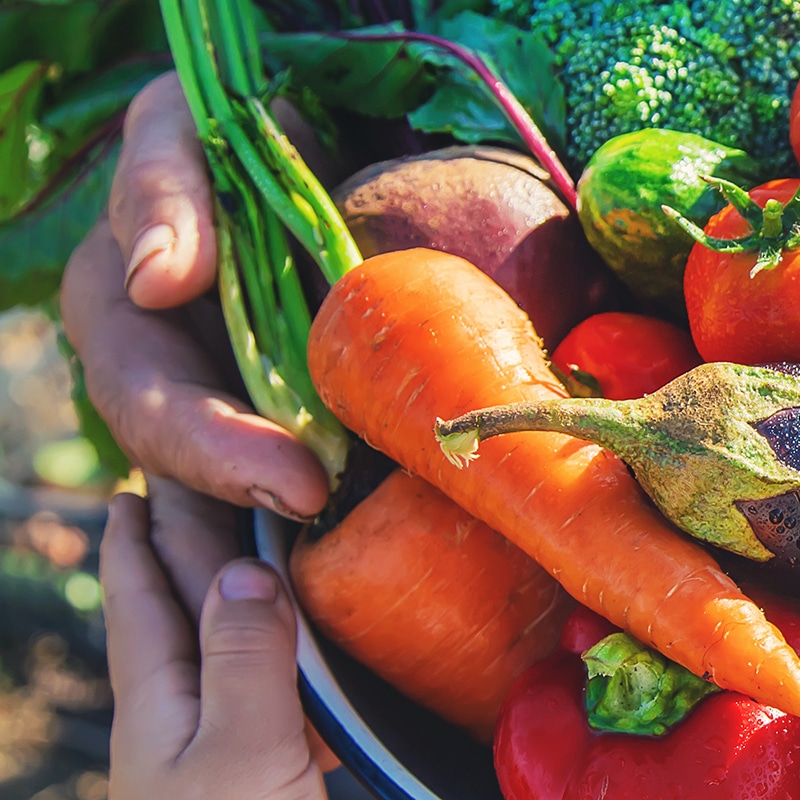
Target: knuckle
250	640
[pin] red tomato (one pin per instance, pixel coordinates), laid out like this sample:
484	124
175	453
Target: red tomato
728	748
629	355
732	316
794	122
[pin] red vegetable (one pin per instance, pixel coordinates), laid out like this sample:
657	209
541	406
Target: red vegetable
584	629
736	317
492	206
728	748
628	355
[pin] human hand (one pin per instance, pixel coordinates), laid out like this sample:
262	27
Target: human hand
226	722
165	380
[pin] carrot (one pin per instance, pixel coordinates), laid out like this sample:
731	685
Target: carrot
435	602
414	335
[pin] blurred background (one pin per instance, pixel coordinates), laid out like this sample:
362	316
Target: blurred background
55	701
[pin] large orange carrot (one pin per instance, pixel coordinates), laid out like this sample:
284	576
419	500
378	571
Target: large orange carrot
431	599
415	335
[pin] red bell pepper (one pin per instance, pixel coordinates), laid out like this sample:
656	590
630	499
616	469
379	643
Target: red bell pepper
728	748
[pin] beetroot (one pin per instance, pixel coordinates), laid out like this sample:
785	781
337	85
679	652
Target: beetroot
493	207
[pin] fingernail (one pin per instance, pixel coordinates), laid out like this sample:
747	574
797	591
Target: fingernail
248	582
272	501
153	241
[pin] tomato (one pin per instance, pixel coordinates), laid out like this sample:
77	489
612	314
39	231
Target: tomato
629	355
794	122
728	747
732	316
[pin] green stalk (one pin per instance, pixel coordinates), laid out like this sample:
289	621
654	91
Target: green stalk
265	194
283	401
332	246
184	64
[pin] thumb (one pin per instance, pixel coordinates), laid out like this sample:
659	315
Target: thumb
160	207
248	696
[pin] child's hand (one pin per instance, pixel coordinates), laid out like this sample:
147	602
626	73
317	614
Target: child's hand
231	727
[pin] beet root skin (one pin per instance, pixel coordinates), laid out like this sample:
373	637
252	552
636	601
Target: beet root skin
493	207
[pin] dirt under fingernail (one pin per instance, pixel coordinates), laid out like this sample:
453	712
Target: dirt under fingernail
273	501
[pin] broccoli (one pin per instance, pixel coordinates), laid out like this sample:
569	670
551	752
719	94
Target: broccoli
724	69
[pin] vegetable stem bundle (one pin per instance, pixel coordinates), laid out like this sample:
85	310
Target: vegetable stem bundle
265	193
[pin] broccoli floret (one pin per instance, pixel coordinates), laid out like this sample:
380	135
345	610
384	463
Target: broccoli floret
724	69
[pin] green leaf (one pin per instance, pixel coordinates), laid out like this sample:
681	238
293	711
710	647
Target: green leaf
20	92
634	689
79	35
461	105
92	101
37	244
377	79
48	32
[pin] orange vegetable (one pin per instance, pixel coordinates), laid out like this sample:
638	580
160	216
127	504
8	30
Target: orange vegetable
411	336
431	599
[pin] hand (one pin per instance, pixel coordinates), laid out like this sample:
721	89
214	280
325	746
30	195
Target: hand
232	723
158	380
165	380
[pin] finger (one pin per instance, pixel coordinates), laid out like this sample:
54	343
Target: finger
249	699
152	653
155	388
193	535
161	207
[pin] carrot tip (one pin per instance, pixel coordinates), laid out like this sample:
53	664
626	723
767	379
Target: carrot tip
459	448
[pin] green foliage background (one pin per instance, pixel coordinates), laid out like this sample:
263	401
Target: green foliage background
67	72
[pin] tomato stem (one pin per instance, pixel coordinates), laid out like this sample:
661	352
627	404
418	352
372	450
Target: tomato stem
774	228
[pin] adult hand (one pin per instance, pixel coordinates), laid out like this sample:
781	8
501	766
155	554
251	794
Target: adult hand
227	719
152	342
